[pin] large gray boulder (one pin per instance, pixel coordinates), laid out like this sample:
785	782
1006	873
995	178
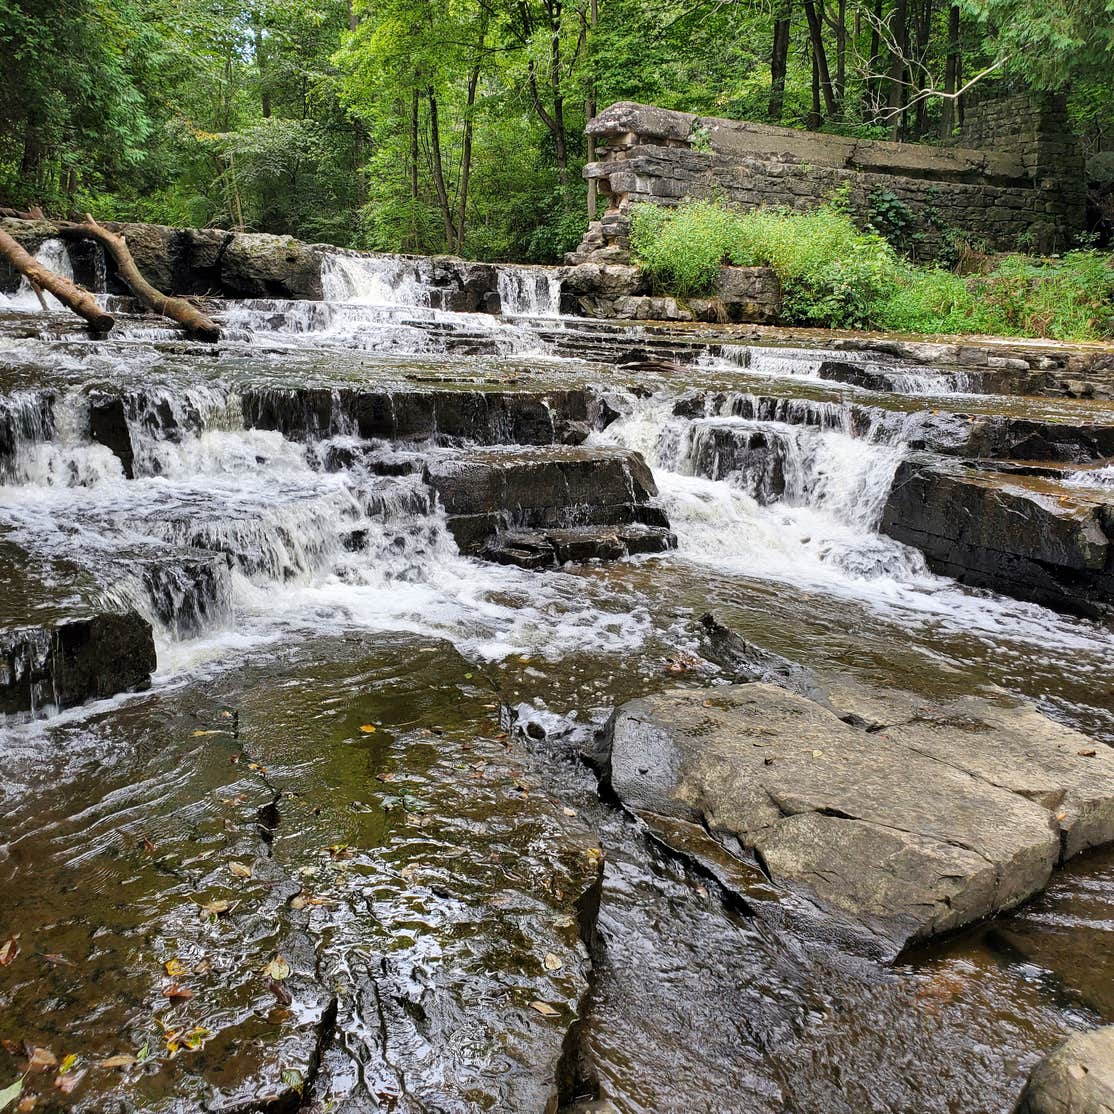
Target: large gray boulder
909	816
1078	1078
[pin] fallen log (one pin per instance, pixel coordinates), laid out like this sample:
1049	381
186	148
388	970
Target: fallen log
177	309
41	278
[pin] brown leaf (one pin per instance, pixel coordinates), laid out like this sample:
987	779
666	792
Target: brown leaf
121	1061
147	845
278	968
384	775
281	993
176	993
40	1059
9	949
545	1009
1086	753
239	870
57	959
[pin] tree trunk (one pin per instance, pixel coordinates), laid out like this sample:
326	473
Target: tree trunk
873	82
590	104
951	75
439	172
779	63
68	293
466	157
261	64
177	309
414	122
819	56
896	96
815	117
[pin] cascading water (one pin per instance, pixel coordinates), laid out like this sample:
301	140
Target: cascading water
53	255
529	292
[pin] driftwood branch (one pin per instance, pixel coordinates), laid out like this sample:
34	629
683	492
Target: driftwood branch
177	309
68	293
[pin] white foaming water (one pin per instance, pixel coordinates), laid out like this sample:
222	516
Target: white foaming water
808	363
529	291
54	257
822	536
374	280
1101	478
229	537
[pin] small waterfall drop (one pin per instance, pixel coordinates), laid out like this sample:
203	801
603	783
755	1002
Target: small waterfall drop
53	255
374	280
529	292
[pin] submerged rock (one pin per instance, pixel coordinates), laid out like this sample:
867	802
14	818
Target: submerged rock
913	817
1078	1078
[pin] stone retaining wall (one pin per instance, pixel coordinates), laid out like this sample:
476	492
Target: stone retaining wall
1025	192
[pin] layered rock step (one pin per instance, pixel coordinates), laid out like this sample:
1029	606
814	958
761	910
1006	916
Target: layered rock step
911	816
1022	534
973	435
61	641
543	507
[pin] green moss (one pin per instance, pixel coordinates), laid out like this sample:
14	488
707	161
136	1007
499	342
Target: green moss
835	275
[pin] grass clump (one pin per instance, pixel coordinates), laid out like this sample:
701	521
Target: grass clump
834	274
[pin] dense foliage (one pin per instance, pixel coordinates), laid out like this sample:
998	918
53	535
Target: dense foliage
458	124
833	274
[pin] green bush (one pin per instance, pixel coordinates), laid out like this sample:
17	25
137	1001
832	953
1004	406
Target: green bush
832	274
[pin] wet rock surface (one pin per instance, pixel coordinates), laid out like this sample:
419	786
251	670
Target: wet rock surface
319	910
1026	536
1078	1078
913	818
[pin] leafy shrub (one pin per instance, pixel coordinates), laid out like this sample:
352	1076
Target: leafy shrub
835	275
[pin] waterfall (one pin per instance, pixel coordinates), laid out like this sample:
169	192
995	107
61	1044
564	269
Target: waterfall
529	291
53	255
374	280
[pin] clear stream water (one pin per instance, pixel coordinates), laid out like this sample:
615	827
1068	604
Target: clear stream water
440	853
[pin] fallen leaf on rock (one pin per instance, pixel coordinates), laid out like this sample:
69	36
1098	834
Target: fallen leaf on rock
177	993
367	728
239	870
40	1059
1086	753
195	1038
124	1060
568	811
281	993
292	1078
175	968
595	854
26	1104
10	1093
66	1083
544	1008
215	908
9	949
384	775
147	845
340	851
277	968
57	959
552	961
69	1062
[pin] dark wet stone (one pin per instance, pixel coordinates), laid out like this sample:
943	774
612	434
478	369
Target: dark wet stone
744	662
1027	537
596	491
74	660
